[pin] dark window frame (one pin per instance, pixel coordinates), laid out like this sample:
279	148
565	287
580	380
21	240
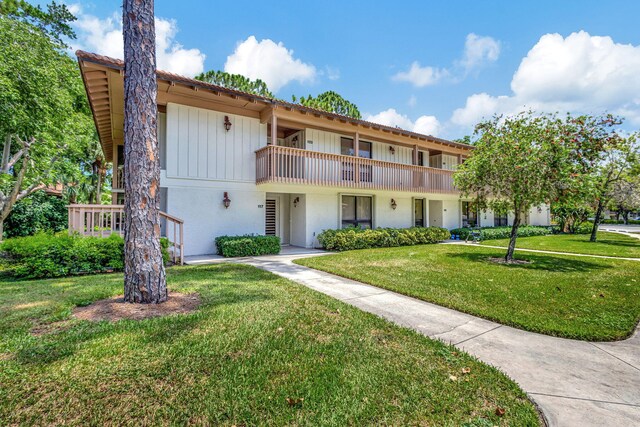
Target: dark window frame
356	222
500	219
471	207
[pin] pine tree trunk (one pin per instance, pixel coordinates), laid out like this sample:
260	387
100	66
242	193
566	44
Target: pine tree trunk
144	274
514	235
596	221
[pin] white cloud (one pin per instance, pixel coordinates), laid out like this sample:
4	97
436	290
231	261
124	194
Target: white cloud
421	76
428	125
479	50
332	73
104	36
271	62
580	73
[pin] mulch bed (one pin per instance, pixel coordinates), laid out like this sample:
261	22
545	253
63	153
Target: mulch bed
115	309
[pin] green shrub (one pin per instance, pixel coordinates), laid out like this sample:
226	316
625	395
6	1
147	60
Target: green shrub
248	245
491	233
347	239
36	213
54	255
584	228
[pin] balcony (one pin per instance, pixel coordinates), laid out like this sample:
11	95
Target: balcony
275	164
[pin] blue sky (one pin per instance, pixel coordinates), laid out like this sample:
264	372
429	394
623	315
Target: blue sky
472	58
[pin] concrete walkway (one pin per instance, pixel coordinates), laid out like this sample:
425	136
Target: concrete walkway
540	251
575	383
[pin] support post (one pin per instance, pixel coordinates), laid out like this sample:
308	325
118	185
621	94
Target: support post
274	128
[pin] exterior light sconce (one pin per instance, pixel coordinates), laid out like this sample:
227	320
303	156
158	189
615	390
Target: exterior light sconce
296	201
227	123
539	209
392	150
394	205
226	201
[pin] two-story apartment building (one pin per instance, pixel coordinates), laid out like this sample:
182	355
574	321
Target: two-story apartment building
237	163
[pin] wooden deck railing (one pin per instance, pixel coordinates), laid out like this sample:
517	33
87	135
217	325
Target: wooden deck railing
297	166
105	220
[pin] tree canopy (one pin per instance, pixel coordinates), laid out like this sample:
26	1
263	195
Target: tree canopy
235	81
512	166
54	22
45	121
332	102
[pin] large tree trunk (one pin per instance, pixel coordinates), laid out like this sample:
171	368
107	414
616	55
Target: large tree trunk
596	220
144	275
514	235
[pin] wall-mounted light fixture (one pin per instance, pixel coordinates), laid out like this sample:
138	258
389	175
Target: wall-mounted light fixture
539	209
226	201
394	205
392	149
296	201
227	123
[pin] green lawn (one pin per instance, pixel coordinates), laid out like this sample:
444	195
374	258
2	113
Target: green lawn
256	341
583	298
609	244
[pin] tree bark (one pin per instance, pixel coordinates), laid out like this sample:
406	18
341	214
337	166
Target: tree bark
514	235
596	220
144	274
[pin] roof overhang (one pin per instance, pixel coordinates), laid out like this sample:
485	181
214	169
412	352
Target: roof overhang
104	82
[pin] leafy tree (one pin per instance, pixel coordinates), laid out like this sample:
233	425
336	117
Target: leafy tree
236	81
332	102
511	167
594	157
465	140
54	22
144	274
35	213
625	197
45	121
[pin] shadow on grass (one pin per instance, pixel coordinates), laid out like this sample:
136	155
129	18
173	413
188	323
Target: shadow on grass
538	262
219	287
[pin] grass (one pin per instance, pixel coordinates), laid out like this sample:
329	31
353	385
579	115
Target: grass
256	341
582	298
609	244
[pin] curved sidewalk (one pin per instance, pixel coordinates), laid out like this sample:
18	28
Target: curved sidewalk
575	383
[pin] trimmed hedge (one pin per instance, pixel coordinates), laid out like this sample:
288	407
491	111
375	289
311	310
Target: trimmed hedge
347	239
491	233
248	245
55	255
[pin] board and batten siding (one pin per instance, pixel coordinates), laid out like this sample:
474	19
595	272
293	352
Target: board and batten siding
199	147
322	141
329	142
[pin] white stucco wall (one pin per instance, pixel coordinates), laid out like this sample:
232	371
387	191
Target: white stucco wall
205	217
540	218
451	213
